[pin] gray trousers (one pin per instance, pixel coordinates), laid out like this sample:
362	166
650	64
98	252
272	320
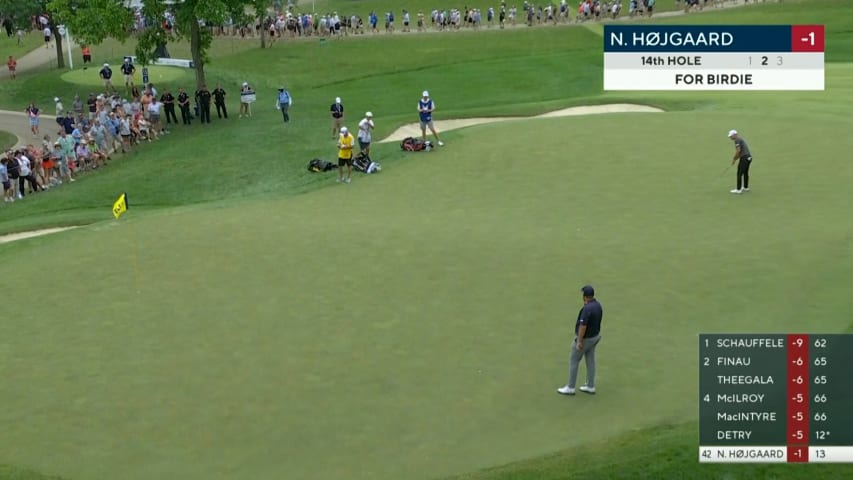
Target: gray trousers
588	352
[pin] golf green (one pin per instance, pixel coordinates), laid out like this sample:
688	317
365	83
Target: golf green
442	325
89	77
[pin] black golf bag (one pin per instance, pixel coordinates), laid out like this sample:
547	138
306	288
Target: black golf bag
318	165
363	163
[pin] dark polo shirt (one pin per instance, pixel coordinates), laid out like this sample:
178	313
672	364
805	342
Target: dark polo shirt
590	315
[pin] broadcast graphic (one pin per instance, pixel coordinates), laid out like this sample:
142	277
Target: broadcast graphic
671	57
775	398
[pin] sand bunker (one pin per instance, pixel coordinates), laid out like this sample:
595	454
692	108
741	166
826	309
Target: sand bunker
414	129
33	233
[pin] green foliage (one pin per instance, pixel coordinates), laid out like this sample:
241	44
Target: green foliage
22	10
93	21
188	15
7	140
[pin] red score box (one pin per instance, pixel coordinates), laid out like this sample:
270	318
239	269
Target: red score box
798	454
798	390
807	38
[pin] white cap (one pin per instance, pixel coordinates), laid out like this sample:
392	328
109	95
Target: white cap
245	84
106	64
425	94
368	114
337	99
732	133
343	129
55	99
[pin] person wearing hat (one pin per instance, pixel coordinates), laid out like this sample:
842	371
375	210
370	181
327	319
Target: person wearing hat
283	103
337	110
587	336
128	69
246	94
744	159
106	75
425	109
345	145
365	126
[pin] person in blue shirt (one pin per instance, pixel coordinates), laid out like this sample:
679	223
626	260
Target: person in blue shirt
283	103
587	337
425	109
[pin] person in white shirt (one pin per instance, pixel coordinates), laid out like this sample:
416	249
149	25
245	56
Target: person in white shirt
154	116
47	35
365	126
25	175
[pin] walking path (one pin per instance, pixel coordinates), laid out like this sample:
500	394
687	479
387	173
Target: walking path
16	123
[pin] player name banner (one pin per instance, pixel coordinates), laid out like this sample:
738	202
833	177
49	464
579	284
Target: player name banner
775	398
713	58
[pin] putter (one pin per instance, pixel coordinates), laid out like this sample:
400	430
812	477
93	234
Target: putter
726	170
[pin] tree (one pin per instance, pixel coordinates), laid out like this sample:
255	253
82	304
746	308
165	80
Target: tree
22	10
191	20
93	21
259	9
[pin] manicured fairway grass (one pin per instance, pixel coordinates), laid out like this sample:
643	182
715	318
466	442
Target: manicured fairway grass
161	75
9	46
240	321
7	140
203	342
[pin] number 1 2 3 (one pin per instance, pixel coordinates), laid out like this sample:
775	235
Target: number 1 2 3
765	60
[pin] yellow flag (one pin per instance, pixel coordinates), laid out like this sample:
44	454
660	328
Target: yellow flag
120	206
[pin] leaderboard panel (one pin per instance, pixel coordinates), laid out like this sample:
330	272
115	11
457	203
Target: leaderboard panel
775	398
740	57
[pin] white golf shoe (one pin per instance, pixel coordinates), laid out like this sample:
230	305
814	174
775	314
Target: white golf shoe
586	389
567	390
736	191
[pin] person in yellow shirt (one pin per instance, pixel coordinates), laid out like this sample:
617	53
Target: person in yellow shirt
345	144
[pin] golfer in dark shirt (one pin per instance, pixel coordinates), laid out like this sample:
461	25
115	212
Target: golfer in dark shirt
587	336
744	159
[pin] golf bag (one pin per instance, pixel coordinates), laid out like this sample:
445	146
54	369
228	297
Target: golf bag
412	144
318	165
363	163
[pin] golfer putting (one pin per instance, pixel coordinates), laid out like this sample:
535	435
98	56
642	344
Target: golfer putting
744	159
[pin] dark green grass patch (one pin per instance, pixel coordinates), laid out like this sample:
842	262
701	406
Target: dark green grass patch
7	140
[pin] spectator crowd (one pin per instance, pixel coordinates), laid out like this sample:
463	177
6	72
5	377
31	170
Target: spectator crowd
85	136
